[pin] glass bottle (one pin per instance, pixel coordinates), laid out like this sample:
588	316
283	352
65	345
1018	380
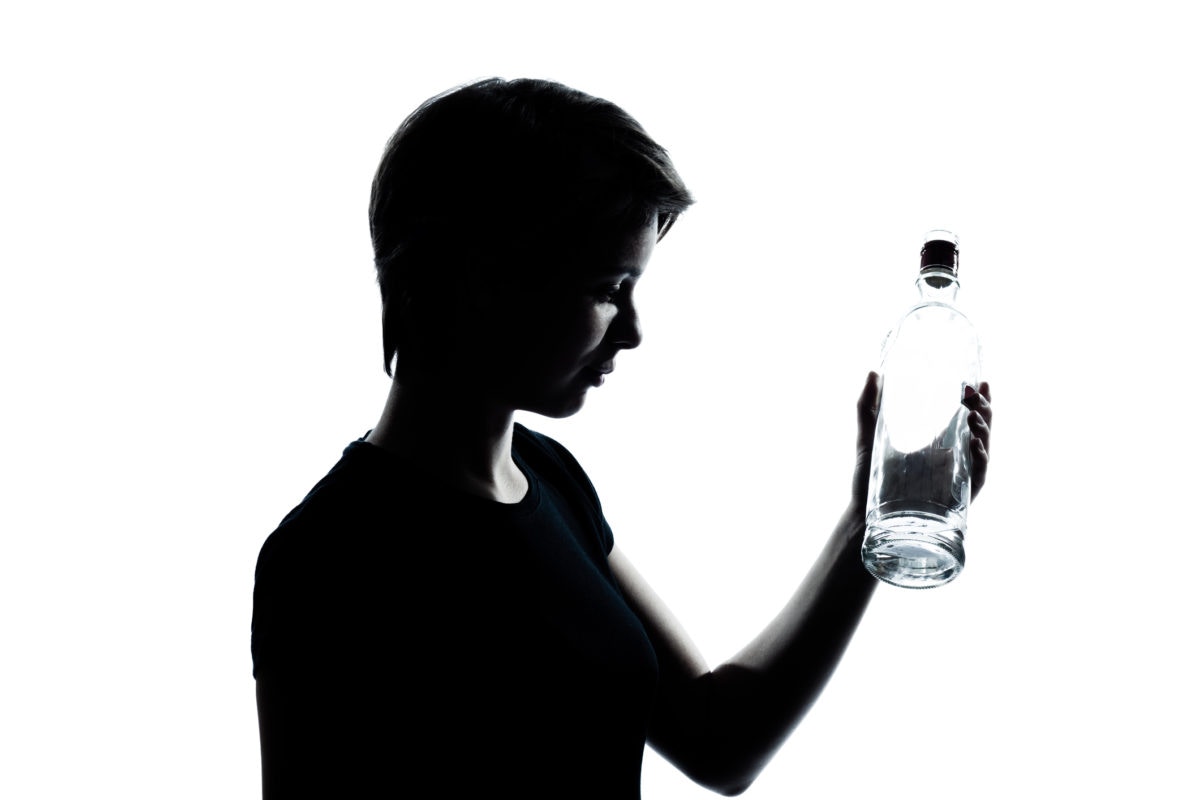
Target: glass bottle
920	484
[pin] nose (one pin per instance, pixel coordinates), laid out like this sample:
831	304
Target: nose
626	330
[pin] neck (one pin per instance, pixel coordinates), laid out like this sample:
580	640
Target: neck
465	444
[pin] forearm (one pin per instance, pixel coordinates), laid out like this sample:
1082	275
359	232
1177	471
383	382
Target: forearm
809	635
746	708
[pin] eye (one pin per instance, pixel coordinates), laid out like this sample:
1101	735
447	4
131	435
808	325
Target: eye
608	293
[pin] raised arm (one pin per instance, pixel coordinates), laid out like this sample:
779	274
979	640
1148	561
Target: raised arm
721	727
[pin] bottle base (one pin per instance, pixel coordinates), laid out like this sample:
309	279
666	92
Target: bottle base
913	552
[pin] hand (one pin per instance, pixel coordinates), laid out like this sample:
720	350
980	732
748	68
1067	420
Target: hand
980	423
979	403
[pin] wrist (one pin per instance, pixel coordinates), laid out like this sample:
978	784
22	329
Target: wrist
854	523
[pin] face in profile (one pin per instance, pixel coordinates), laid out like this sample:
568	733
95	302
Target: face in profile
543	350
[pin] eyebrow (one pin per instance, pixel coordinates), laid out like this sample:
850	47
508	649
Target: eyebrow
624	271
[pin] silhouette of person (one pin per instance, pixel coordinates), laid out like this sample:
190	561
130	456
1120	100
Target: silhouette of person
446	612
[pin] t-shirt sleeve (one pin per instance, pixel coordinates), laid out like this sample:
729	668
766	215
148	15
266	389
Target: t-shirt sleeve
304	616
285	616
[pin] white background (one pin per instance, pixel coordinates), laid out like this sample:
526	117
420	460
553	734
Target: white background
189	339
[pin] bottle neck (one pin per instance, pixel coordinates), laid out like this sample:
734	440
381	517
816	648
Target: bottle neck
937	285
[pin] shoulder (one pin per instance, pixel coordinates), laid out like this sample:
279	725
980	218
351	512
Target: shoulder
555	465
348	491
324	558
367	491
539	447
342	521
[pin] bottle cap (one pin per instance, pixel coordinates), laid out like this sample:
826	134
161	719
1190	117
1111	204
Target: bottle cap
940	251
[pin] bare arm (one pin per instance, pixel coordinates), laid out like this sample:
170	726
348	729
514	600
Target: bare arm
721	727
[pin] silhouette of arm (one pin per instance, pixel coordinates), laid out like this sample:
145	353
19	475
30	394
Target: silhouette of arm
338	733
293	750
311	745
721	727
319	667
278	736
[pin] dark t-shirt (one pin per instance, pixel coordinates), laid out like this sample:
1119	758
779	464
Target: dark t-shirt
429	638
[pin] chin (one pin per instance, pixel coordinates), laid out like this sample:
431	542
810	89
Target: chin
560	407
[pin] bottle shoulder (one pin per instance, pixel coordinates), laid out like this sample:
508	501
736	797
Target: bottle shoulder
936	306
933	314
931	328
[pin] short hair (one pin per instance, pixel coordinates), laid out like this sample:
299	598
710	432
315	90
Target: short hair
496	177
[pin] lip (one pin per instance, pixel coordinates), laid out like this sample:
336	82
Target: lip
596	374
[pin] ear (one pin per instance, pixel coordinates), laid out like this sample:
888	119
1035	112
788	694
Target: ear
485	288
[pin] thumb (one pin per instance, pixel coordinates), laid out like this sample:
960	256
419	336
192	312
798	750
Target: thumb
868	410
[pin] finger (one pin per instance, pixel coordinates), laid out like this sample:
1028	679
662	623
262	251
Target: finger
979	426
979	465
869	398
978	400
980	423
